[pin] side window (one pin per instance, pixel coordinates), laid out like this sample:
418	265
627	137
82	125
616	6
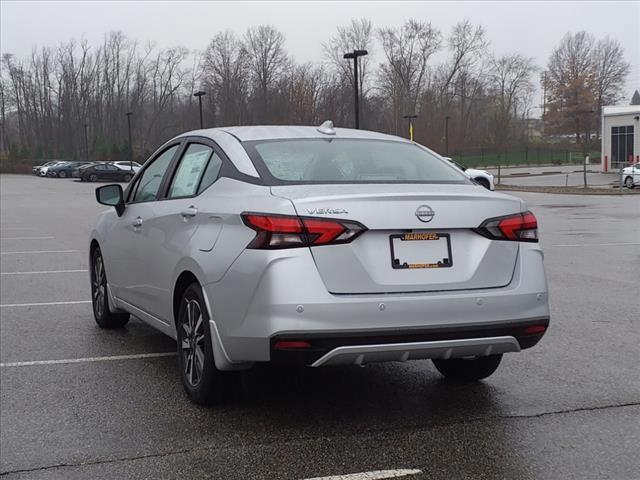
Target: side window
187	176
211	172
100	167
149	183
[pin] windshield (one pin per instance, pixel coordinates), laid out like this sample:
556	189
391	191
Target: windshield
348	161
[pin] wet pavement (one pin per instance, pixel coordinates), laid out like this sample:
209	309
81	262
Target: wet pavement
568	408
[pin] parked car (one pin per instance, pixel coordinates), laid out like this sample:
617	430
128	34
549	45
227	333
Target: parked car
483	177
316	246
104	171
65	170
45	168
123	165
35	170
77	172
631	175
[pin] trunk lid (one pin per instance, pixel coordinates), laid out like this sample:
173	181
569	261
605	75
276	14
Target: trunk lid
390	212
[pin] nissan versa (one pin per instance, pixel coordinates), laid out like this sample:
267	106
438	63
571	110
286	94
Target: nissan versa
316	246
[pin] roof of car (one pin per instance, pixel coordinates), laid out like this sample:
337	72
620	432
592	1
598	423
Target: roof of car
273	132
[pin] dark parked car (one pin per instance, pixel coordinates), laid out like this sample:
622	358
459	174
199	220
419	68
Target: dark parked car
64	170
104	171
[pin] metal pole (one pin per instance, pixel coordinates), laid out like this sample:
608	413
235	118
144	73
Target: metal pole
200	104
86	142
130	144
446	135
355	86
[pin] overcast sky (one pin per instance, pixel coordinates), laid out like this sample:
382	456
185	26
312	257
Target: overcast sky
531	28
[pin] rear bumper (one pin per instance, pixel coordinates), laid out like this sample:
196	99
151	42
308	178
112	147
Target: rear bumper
283	297
347	348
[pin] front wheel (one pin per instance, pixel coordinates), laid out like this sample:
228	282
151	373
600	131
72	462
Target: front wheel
126	178
62	174
628	182
93	177
200	377
104	317
468	370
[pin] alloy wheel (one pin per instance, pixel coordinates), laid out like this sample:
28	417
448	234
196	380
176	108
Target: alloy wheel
98	285
192	344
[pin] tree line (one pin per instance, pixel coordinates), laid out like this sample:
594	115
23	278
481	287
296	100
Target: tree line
49	101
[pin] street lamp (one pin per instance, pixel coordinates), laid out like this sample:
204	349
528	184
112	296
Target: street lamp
446	135
410	117
200	94
86	142
348	56
128	114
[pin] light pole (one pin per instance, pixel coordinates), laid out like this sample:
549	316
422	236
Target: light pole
446	135
200	94
86	142
348	56
128	114
410	117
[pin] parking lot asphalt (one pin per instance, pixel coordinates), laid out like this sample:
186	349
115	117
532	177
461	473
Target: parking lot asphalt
568	408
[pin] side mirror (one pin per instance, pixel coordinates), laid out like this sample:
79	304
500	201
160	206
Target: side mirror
112	196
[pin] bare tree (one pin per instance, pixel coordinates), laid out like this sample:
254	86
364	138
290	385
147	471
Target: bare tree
225	72
267	59
402	77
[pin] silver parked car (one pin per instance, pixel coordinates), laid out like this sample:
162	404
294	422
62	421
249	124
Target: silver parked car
316	246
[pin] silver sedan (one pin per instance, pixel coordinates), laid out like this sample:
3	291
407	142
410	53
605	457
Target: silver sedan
316	246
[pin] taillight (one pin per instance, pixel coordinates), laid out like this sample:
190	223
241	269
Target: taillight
520	227
289	231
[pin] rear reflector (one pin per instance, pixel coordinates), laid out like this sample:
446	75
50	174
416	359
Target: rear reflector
535	330
520	227
290	231
291	344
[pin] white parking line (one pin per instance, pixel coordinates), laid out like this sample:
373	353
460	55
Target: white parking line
42	271
596	244
27	238
16	228
40	251
77	302
373	475
90	359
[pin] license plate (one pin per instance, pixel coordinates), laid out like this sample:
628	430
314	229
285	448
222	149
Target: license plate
420	250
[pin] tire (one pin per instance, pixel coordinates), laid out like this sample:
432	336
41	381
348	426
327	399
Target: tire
463	370
93	177
126	178
484	182
62	174
201	380
628	182
104	317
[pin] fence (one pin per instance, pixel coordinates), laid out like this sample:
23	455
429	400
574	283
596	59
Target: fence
480	157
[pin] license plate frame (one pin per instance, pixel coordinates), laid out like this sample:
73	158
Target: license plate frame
399	264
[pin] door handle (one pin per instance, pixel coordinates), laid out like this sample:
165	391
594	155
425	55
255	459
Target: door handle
137	223
189	212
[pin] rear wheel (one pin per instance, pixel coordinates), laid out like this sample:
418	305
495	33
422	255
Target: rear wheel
628	182
93	177
126	177
468	370
201	380
104	317
62	174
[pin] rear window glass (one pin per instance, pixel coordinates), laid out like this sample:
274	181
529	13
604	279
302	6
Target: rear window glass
349	161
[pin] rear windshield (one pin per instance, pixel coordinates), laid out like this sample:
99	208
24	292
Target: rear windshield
337	160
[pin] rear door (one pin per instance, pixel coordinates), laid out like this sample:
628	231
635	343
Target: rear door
168	235
420	238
